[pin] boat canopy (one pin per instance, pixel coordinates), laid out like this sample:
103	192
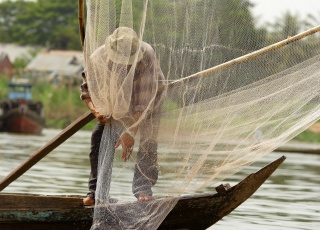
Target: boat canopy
20	90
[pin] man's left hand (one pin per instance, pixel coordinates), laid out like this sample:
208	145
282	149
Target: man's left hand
127	142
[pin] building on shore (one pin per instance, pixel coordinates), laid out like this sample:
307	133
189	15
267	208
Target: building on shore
56	66
6	66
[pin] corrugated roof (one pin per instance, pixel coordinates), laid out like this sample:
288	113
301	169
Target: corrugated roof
15	51
60	62
77	54
2	56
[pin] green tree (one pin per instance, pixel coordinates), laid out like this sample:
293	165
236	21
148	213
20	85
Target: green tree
9	11
290	25
44	22
237	25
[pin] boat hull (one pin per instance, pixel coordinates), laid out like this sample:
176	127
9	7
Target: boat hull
22	120
39	212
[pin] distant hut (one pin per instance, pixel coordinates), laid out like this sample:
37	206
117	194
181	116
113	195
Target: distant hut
56	66
14	52
6	67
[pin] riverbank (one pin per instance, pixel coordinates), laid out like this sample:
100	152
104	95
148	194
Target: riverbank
295	146
63	105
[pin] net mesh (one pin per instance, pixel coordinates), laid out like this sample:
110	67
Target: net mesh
211	126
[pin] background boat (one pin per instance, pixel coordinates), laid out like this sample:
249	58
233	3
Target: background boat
19	113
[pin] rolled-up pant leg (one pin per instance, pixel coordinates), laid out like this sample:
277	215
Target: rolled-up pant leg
146	168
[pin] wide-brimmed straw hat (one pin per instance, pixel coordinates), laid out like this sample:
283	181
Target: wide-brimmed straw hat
123	46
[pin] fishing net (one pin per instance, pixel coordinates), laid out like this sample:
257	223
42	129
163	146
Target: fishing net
205	127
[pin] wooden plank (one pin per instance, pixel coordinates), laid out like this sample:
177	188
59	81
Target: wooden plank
35	202
209	208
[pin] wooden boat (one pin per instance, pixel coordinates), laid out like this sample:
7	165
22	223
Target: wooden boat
27	211
19	114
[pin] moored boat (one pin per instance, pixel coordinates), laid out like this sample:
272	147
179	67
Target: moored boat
27	211
19	113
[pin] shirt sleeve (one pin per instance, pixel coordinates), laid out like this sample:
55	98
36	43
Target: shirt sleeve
84	87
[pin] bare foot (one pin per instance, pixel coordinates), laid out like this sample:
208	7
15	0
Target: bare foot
88	201
145	197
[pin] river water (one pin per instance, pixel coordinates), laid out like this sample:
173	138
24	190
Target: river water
289	199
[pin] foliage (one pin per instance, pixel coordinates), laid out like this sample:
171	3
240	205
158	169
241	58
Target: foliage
21	62
308	136
229	20
287	25
290	25
3	87
54	24
62	104
47	23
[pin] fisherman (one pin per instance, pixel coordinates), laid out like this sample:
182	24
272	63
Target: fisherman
145	107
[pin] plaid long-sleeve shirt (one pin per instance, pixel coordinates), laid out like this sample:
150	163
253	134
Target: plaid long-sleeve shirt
147	75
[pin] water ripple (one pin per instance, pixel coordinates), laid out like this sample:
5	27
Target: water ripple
288	200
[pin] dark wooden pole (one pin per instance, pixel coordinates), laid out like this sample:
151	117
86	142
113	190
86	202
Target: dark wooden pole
81	21
55	142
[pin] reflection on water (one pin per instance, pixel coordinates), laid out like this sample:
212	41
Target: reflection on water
64	171
288	200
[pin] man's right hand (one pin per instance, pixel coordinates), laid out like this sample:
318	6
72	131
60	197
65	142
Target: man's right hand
94	111
127	142
100	117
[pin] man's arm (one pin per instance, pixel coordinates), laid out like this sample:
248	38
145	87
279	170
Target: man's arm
94	111
85	97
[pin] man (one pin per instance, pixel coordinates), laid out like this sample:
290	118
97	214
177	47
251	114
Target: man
124	51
